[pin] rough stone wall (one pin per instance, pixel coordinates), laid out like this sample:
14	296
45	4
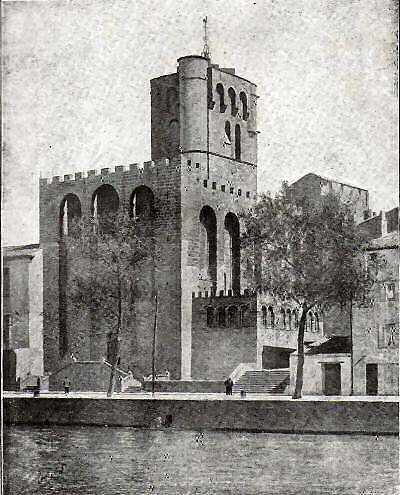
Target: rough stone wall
217	119
292	416
165	119
372	227
280	333
163	178
312	186
17	305
376	332
217	350
23	306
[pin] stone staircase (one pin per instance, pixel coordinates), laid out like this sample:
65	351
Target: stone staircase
263	382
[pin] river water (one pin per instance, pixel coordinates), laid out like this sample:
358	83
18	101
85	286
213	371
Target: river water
100	460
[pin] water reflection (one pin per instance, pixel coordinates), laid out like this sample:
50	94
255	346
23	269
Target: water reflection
93	460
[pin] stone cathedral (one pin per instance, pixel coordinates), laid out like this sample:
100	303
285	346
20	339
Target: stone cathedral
202	173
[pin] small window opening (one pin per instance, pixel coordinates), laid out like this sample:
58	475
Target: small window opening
243	101
220	90
238	148
232	97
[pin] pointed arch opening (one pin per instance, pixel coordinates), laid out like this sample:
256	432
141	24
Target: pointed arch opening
243	101
141	204
233	317
228	137
233	263
289	319
271	316
221	317
238	144
210	316
208	220
264	316
283	318
105	204
70	212
232	97
221	94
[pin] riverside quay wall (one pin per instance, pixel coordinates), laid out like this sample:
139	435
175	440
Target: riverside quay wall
272	415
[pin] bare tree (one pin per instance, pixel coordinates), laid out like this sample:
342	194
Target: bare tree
106	261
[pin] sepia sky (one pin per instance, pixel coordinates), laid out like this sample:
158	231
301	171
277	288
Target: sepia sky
76	91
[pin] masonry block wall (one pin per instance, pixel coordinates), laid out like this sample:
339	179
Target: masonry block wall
204	173
88	341
22	308
224	335
376	332
313	186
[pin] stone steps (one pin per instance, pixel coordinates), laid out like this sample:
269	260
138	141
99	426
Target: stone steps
263	382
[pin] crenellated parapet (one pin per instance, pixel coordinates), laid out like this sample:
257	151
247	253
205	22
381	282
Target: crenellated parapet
149	168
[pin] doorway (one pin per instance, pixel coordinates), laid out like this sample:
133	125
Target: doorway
371	384
332	378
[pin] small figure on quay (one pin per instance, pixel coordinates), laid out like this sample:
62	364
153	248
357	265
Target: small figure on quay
67	385
36	391
228	386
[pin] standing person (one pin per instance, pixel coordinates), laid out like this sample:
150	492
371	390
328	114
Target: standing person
230	385
67	385
227	384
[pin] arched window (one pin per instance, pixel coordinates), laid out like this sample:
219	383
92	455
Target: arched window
233	230
105	203
238	145
271	316
243	101
70	210
221	317
209	222
244	316
220	90
283	318
310	322
316	322
289	319
142	203
264	316
232	316
232	97
210	316
228	139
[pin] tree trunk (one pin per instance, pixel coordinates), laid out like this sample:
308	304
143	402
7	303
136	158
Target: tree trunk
351	350
117	350
300	355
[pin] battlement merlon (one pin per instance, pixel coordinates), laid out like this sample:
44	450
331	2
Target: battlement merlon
148	167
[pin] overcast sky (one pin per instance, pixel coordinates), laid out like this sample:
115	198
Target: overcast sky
76	91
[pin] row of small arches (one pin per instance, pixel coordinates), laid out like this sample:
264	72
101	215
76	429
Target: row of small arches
105	201
230	317
232	97
288	319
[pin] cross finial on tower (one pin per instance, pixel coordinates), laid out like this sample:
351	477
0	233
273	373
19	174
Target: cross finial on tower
206	49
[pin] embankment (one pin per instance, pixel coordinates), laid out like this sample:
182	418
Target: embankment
286	416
